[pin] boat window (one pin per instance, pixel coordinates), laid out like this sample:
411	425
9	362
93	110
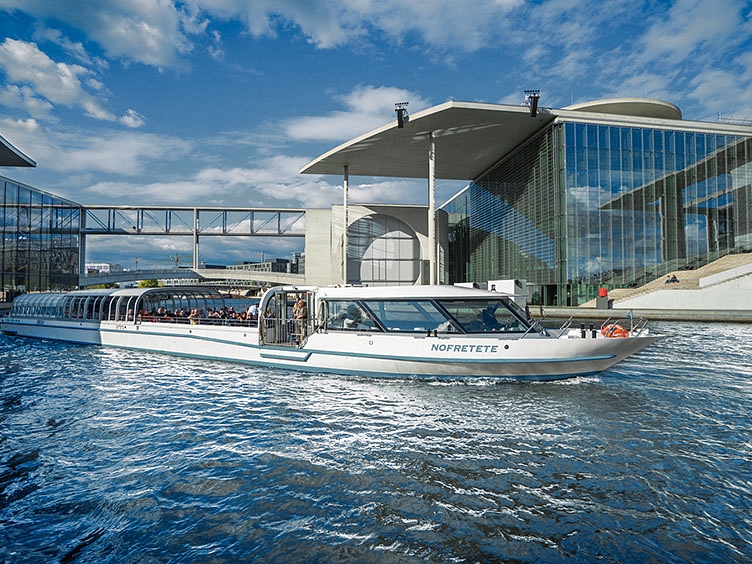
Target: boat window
414	316
67	306
349	315
485	316
106	307
93	311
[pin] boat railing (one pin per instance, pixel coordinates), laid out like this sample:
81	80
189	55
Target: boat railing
534	326
219	321
286	332
565	327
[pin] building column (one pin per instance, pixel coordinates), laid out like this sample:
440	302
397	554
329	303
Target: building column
431	209
672	218
345	219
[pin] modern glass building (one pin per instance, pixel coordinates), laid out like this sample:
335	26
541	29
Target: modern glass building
40	246
584	205
612	193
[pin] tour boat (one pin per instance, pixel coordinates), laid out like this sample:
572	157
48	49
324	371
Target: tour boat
403	331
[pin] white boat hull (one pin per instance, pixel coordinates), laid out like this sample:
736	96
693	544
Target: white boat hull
374	354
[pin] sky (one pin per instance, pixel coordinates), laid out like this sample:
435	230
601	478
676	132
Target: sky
222	102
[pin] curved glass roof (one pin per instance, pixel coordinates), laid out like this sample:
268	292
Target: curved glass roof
53	299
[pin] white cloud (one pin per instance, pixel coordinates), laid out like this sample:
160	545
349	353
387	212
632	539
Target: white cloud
38	83
448	24
692	27
78	151
74	48
132	119
274	182
161	32
151	32
24	98
367	107
606	43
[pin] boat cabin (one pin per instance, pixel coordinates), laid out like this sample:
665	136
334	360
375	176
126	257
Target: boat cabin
130	305
291	314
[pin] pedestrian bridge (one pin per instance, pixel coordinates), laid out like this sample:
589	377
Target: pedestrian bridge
213	276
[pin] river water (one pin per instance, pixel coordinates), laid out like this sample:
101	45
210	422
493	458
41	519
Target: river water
113	456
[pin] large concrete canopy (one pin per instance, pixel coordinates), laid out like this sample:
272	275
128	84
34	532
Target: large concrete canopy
10	156
469	138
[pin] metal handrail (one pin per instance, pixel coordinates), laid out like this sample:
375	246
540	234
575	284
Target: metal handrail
565	326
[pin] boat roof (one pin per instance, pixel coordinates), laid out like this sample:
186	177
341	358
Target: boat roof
395	292
53	297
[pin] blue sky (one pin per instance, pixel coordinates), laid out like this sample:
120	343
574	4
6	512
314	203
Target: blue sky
221	102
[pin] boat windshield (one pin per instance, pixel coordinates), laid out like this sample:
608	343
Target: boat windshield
349	316
414	316
487	315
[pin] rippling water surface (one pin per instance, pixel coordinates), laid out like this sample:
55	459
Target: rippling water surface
114	456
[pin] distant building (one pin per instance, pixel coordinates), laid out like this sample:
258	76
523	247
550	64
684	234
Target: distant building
297	263
103	267
271	265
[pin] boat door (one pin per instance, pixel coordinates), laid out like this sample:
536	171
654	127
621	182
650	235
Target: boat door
277	323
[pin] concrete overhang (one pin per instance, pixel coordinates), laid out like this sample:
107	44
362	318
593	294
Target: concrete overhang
10	156
469	138
636	107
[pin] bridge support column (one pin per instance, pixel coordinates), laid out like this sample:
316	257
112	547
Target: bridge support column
82	246
195	238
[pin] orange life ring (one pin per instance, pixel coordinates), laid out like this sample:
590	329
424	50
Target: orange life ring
614	330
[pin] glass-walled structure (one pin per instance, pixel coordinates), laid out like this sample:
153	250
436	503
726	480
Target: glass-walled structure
40	247
585	205
641	203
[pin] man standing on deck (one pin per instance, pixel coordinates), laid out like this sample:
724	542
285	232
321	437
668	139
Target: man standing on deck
300	313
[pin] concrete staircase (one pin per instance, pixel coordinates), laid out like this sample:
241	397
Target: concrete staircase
688	279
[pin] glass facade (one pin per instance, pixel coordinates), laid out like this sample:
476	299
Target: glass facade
586	205
40	245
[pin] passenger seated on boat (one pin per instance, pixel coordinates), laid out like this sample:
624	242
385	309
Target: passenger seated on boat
253	311
353	317
484	321
350	317
490	323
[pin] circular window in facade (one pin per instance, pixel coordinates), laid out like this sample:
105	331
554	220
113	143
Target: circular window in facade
382	250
